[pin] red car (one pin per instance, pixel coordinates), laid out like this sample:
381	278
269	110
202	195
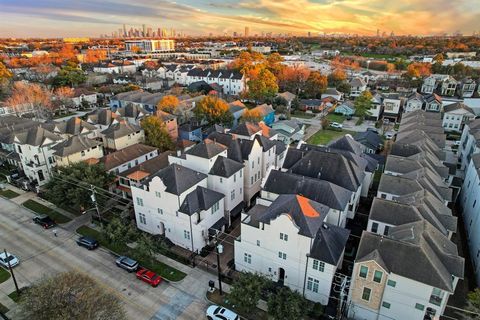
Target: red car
149	277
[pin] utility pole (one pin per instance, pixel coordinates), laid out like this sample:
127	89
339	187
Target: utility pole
94	200
11	272
219	249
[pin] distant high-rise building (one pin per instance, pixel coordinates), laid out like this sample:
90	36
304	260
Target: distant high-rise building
149	32
309	34
378	33
124	30
235	34
144	30
247	32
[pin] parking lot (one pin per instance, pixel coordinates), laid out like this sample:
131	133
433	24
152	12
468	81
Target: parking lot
42	254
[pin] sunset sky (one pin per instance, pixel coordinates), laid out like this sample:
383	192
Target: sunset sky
25	18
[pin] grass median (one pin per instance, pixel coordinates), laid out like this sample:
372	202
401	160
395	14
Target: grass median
160	268
9	194
4	275
41	209
322	137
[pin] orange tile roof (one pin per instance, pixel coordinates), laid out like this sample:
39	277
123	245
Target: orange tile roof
138	175
307	208
92	161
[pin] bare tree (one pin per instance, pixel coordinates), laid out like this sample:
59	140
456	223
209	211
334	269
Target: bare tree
69	295
30	97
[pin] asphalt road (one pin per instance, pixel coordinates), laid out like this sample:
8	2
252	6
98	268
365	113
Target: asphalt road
42	254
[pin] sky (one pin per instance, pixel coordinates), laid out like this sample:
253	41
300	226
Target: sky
68	18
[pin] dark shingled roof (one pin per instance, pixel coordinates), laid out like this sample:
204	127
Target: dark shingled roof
329	243
129	153
120	129
150	166
307	214
370	139
321	191
266	143
225	167
416	251
200	199
36	136
178	178
246	129
74	145
207	149
398	186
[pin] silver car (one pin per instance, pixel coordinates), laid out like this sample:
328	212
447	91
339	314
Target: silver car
126	263
5	259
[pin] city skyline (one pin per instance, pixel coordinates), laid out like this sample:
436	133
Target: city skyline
54	18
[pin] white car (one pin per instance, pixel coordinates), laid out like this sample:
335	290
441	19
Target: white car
389	135
5	259
336	125
220	313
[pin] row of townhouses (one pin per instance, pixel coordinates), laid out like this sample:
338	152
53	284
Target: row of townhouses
406	266
446	85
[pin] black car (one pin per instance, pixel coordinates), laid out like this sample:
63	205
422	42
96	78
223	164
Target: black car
87	242
45	221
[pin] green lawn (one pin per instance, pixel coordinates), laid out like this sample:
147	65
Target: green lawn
9	194
162	269
322	137
333	117
216	298
4	275
41	209
303	115
14	295
3	309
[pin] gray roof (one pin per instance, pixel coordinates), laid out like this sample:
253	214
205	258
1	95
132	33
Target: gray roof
321	191
72	126
246	129
121	129
36	136
398	186
266	143
458	106
74	145
308	215
200	199
119	157
416	251
225	167
329	244
150	166
131	111
370	139
207	149
178	178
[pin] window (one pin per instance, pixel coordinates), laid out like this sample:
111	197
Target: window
386	305
374	227
215	207
419	306
235	177
366	294
437	296
251	180
241	173
160	211
282	255
283	236
140	201
141	217
82	153
312	284
232	195
241	190
247	258
186	234
258	243
253	164
385	231
158	194
318	265
383	196
391	283
221	180
258	160
363	272
377	276
474	203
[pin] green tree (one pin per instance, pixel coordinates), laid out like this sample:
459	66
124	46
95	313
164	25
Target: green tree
69	295
156	134
315	85
473	305
343	87
287	304
119	232
69	76
146	247
69	186
264	86
246	290
213	110
325	123
363	103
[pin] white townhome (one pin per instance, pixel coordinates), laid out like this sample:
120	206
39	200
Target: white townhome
455	116
122	135
232	82
290	242
408	274
470	204
34	146
176	203
469	144
415	101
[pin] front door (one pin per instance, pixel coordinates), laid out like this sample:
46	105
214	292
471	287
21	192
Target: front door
281	276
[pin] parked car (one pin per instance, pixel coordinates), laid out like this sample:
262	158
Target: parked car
373	130
45	221
336	125
126	263
6	258
220	313
457	143
149	277
87	242
389	135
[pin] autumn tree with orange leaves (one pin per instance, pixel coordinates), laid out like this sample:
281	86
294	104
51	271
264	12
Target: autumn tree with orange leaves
251	115
213	110
95	55
168	104
293	79
419	69
63	96
27	96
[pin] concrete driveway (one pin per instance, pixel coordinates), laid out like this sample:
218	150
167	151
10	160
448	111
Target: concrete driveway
41	254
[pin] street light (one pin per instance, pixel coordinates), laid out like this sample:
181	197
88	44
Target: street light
219	249
368	64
